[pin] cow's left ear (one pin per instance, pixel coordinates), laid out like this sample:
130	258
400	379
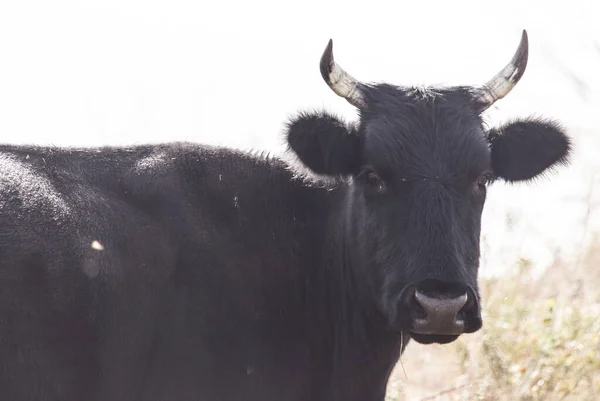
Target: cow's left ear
524	149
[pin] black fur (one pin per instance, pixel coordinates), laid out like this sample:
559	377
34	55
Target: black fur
524	149
226	276
325	144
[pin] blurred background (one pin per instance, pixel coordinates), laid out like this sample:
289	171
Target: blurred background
79	73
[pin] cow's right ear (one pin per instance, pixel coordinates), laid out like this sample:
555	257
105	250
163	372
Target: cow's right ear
324	143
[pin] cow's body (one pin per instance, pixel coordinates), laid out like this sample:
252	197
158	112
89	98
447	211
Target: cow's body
213	283
182	272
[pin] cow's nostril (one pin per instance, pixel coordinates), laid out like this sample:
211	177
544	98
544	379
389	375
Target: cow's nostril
470	307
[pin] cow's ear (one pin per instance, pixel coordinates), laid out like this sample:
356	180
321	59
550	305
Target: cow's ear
324	143
523	149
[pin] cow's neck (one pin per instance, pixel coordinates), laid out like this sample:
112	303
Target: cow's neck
363	348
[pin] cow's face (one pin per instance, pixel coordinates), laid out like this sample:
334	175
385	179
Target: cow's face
419	162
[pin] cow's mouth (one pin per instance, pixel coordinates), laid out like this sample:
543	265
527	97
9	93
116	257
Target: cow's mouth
433	338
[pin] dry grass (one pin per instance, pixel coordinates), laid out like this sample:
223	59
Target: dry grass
540	341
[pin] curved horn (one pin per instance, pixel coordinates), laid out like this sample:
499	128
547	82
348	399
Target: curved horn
503	82
342	83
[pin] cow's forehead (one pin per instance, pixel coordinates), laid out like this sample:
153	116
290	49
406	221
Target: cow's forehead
425	136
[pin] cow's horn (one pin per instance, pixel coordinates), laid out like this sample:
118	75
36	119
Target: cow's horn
342	83
503	82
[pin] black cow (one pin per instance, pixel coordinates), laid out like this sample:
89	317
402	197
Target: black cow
180	272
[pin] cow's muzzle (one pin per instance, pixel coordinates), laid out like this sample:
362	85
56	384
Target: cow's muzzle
438	308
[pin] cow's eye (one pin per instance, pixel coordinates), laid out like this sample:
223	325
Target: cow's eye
483	181
374	182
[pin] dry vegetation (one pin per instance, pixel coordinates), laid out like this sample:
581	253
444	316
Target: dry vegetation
540	341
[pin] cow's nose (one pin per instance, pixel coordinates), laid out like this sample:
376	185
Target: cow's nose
441	315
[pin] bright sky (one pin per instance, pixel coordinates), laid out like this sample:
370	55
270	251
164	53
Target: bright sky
125	71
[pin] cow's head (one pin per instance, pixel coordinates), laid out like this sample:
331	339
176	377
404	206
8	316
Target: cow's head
418	164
